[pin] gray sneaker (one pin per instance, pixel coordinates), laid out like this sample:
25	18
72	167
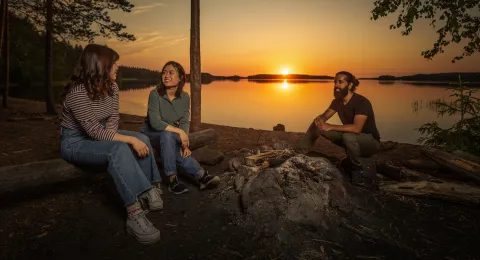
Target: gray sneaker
154	199
142	229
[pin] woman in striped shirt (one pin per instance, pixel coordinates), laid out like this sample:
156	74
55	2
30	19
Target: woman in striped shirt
90	137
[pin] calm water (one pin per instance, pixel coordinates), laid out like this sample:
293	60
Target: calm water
263	105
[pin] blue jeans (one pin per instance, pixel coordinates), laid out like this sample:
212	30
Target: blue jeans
132	175
169	145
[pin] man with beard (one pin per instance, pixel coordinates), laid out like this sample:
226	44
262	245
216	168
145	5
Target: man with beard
358	135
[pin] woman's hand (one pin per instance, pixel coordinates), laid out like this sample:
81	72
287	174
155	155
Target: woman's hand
140	147
184	138
185	152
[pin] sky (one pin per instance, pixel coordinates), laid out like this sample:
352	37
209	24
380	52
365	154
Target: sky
247	37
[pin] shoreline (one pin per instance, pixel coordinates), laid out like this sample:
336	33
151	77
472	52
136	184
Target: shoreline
36	140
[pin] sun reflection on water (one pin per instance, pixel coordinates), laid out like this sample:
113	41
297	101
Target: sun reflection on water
285	84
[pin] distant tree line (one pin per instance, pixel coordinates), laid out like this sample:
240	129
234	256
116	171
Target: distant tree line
27	58
445	77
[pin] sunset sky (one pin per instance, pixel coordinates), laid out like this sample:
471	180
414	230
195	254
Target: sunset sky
246	37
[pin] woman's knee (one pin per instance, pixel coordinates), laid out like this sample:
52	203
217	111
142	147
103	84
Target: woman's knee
144	138
166	136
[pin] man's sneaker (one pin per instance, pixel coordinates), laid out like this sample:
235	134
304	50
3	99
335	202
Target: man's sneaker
359	179
208	181
142	229
154	199
177	187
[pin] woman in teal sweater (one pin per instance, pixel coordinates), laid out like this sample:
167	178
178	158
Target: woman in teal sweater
167	125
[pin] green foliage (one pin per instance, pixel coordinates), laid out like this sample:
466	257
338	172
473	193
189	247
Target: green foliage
463	135
27	58
458	18
80	20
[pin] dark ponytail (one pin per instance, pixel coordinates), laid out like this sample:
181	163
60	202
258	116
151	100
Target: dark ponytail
350	79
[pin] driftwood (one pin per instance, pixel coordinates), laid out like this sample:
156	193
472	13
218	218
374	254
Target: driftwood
401	173
202	138
259	158
436	189
33	118
30	175
36	174
459	165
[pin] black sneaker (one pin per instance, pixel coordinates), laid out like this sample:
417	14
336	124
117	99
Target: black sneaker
359	179
177	187
208	181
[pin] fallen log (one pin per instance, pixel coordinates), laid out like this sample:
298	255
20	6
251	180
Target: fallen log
197	139
436	189
401	173
259	158
462	166
202	138
35	174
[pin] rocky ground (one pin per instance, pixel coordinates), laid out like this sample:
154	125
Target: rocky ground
301	207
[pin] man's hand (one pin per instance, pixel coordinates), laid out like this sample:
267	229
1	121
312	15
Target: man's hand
318	120
185	152
321	125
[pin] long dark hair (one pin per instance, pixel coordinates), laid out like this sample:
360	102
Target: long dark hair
350	79
93	71
181	75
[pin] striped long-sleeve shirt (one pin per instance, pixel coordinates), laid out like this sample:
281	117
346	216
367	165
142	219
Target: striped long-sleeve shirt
98	119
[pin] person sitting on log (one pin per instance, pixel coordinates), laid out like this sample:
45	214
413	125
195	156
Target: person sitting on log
90	137
358	135
167	124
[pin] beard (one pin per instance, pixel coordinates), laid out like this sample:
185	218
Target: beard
340	93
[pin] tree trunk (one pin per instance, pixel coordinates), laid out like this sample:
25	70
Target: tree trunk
49	100
6	31
195	67
4	12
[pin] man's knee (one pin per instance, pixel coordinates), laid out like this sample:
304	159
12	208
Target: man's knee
349	138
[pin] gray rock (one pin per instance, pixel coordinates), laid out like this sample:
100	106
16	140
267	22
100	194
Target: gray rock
234	163
247	171
279	127
265	148
280	145
207	156
301	192
239	182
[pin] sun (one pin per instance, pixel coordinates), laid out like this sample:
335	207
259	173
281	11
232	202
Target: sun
285	71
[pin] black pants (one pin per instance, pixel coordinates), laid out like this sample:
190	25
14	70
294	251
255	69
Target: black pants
359	147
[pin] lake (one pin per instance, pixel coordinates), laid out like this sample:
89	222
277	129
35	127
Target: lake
399	107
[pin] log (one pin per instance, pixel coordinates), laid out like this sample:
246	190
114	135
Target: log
35	174
401	173
437	189
43	173
259	158
462	166
202	138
